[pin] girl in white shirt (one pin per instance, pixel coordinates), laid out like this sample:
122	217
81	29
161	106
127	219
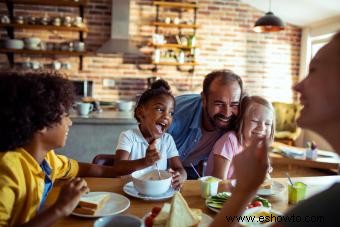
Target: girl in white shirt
149	143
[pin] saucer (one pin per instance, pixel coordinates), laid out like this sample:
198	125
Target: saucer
130	190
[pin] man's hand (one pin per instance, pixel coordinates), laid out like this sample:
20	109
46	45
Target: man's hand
69	195
152	154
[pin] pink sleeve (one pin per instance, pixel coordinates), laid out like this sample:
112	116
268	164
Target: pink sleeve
226	145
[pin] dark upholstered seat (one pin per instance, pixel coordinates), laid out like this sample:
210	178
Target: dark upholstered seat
104	159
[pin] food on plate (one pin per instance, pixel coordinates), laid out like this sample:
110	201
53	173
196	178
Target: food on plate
163	215
180	213
89	205
176	214
217	201
260	215
267	184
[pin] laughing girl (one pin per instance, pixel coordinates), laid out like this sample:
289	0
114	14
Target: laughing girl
257	121
149	144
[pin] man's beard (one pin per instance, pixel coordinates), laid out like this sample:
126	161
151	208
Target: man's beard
215	119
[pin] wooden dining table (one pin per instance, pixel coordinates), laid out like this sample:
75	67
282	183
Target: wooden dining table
326	159
191	193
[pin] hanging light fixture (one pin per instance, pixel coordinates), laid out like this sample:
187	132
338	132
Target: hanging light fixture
269	22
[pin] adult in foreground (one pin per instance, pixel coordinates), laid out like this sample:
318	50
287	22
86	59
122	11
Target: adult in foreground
321	110
200	120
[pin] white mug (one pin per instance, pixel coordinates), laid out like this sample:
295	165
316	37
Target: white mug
84	108
56	65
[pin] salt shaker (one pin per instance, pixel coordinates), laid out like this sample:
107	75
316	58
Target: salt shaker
312	152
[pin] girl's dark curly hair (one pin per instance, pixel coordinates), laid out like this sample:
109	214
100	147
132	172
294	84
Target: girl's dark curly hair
158	88
30	102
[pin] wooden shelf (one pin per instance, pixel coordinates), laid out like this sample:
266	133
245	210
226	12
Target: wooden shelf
45	27
71	3
176	4
174	46
161	24
44	52
175	63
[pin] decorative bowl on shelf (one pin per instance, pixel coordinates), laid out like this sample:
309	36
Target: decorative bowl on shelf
16	44
124	105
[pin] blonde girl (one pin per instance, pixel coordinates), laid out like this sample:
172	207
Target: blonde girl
257	120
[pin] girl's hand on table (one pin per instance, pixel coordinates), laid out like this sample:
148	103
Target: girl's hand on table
70	194
177	180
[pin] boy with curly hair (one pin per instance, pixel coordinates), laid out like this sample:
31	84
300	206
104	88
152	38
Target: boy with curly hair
34	120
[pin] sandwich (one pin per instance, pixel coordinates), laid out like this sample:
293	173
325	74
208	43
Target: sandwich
91	204
181	215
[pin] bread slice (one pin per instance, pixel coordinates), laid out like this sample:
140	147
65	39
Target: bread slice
84	210
163	215
197	213
180	213
91	204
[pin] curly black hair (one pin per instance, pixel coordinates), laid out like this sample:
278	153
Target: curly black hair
30	102
158	88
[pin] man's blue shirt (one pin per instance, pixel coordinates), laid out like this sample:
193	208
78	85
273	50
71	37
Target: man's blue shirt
186	125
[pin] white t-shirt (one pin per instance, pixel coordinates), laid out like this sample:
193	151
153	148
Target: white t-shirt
132	141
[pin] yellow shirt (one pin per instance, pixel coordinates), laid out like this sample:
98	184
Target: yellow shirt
22	183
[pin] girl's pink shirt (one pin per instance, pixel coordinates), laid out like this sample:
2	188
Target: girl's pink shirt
226	146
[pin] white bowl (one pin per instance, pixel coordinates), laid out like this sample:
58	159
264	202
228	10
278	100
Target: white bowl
125	105
17	44
153	187
32	41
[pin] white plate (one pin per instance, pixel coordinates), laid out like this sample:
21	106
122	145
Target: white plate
276	188
253	211
114	205
130	190
205	222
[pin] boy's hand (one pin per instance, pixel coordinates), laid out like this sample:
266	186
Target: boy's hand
177	181
152	154
70	194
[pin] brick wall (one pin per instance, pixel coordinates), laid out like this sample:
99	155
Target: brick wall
268	63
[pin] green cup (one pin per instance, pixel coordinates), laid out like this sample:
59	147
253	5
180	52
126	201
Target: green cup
296	192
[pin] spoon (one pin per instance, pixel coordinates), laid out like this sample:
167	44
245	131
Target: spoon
199	176
159	174
290	180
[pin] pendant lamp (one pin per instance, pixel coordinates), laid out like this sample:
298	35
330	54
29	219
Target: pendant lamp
269	22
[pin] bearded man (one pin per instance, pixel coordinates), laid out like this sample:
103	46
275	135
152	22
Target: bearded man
200	120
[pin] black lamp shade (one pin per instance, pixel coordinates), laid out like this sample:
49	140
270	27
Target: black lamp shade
268	23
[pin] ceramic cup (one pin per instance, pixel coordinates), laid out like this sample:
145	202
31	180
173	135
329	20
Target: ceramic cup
209	186
296	192
84	108
79	46
35	65
119	220
56	65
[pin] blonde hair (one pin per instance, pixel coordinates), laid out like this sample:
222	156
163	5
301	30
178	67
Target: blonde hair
244	111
